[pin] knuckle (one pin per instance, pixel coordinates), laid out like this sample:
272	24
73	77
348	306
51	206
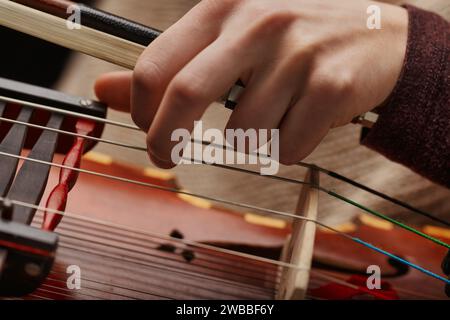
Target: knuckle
146	75
269	19
301	57
263	28
276	20
184	90
344	83
335	85
216	5
217	9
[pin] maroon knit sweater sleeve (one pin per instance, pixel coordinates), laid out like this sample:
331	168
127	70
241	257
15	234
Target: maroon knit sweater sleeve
414	124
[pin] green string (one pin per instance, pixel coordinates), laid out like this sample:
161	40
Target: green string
384	217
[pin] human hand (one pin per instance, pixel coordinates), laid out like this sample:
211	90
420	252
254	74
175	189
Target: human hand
308	66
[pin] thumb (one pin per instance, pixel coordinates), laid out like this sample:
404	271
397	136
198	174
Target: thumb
114	89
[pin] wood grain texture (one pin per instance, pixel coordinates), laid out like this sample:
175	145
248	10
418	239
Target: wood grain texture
54	29
300	247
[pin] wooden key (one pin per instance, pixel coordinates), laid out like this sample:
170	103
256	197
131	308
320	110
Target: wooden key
12	144
31	180
57	199
2	107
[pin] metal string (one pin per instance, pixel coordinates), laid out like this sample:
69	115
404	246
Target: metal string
279	263
55	272
234	203
58	276
329	192
320	275
329	278
198	257
70	113
303	164
339	197
337	280
138	262
139	148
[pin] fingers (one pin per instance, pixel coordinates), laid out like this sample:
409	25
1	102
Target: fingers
201	82
267	98
114	89
166	56
302	129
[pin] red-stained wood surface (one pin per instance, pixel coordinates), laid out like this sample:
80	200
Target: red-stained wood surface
67	177
116	241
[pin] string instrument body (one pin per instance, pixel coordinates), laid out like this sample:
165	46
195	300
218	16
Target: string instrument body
116	242
133	233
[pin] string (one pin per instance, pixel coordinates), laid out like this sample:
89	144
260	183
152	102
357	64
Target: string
332	193
382	216
224	283
70	113
341	282
149	263
306	165
138	148
233	203
39	297
342	178
328	278
59	278
412	265
197	258
74	134
47	288
373	212
279	263
333	279
337	280
376	193
54	271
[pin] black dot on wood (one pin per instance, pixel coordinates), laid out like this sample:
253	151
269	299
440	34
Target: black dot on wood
167	248
176	234
188	255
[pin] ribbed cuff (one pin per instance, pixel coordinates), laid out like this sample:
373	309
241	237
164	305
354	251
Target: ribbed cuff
414	124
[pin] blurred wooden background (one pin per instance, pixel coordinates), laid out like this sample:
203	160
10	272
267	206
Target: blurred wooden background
340	151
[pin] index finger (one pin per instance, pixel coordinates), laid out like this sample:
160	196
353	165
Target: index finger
201	82
168	54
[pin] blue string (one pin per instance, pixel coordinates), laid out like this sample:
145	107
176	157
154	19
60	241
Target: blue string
412	265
